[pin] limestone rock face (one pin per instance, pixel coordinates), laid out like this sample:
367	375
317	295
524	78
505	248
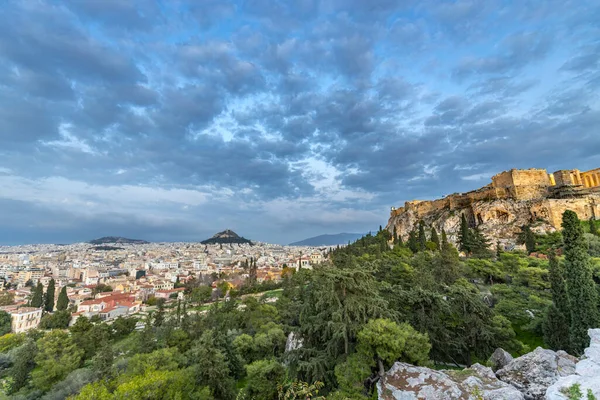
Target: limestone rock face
408	382
500	359
534	372
587	373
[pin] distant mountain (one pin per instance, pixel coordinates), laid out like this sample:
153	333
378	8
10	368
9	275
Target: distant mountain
329	240
117	239
226	237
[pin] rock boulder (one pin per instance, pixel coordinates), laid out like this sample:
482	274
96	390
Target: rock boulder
408	382
500	359
534	372
586	375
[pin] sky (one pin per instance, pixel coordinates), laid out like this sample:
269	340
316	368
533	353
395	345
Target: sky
173	120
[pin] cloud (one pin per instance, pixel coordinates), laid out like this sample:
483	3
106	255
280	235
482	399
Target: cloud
281	119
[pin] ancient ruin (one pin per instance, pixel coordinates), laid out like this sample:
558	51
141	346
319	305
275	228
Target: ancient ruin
513	199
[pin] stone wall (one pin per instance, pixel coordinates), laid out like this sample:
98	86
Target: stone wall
513	199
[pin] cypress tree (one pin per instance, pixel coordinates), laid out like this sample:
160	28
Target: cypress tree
395	235
422	237
580	286
593	228
464	236
445	242
556	324
479	244
413	242
530	241
435	238
63	300
159	317
178	314
49	297
38	296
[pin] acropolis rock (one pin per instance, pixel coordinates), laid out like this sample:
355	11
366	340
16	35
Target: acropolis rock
514	198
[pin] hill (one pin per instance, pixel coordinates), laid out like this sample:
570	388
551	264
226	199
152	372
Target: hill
226	237
329	240
500	209
116	239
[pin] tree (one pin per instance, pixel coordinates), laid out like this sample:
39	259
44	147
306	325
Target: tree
395	235
103	361
201	294
24	362
57	356
5	323
464	235
413	241
63	300
530	241
384	341
435	238
159	315
37	300
49	298
211	368
593	228
580	286
556	324
479	244
264	376
422	238
7	298
58	320
253	271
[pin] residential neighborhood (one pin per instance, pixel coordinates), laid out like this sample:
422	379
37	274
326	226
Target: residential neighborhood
123	279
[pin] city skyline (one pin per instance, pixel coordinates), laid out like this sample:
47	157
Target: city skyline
280	120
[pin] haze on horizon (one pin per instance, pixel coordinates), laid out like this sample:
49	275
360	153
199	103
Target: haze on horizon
280	120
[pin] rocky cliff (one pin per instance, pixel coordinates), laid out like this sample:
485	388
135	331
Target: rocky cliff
513	199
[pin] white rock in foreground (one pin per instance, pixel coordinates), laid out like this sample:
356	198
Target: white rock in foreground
587	373
408	382
534	372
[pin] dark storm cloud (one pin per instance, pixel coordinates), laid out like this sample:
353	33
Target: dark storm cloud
284	115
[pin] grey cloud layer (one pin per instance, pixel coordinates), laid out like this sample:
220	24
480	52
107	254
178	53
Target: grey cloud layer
265	99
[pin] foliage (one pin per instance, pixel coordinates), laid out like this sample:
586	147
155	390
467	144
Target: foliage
63	300
7	298
264	376
49	297
57	320
37	300
557	322
5	322
580	286
57	356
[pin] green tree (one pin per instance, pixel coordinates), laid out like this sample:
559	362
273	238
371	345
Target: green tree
37	300
5	323
422	239
58	320
435	238
201	294
580	286
264	376
24	363
413	241
49	297
556	324
211	368
57	356
103	361
395	235
464	235
63	300
530	241
159	315
479	244
593	228
385	341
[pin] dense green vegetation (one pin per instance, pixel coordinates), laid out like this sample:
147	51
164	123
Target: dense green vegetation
372	305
